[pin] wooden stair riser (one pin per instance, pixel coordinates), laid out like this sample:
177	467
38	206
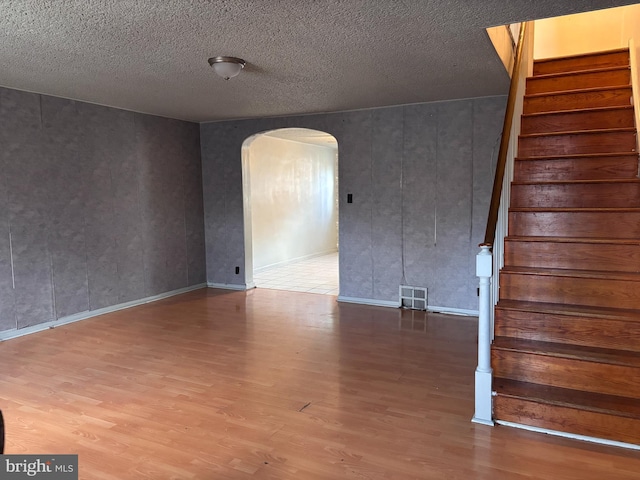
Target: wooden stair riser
573	373
576	195
566	419
568	329
584	168
613	97
620	117
605	257
587	224
574	81
576	143
581	63
600	292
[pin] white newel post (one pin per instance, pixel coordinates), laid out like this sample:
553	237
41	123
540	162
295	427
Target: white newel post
484	263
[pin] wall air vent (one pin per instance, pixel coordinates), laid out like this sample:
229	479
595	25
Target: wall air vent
414	298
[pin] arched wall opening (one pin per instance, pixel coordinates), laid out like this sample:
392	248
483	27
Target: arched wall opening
290	201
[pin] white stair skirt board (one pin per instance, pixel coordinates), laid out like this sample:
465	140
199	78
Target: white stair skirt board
231	286
584	438
76	317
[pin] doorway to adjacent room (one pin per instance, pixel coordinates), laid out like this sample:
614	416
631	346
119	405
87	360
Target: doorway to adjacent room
290	184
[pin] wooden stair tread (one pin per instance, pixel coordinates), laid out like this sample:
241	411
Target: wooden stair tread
576	210
595	402
578	90
600	329
578	110
583	55
576	156
578	72
574	273
587	61
564	309
615	241
575	352
583	168
615	181
599	131
577	98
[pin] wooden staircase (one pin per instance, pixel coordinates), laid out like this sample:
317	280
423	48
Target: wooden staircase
566	354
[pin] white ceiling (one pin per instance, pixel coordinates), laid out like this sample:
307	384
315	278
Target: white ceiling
303	56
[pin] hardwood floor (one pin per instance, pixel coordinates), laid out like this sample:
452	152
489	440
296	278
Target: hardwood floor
271	384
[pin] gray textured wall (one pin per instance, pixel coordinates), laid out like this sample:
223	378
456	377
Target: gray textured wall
99	207
421	179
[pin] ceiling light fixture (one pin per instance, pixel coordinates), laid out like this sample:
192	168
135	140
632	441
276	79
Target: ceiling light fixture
227	67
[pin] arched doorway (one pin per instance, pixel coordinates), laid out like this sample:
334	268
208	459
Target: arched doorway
290	190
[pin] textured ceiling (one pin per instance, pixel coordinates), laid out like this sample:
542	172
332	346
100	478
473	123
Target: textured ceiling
303	56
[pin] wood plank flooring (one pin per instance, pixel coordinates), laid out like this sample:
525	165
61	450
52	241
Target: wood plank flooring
271	384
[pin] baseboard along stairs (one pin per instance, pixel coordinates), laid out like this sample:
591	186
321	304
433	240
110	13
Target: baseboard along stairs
566	353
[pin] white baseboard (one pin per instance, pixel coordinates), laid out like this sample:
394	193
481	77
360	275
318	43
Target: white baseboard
584	438
453	311
230	286
76	317
370	301
396	304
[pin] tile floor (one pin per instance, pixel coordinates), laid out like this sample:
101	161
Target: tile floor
315	275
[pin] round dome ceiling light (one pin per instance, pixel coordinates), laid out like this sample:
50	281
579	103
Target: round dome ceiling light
227	67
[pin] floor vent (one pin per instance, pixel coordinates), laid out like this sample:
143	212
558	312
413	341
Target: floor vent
413	297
